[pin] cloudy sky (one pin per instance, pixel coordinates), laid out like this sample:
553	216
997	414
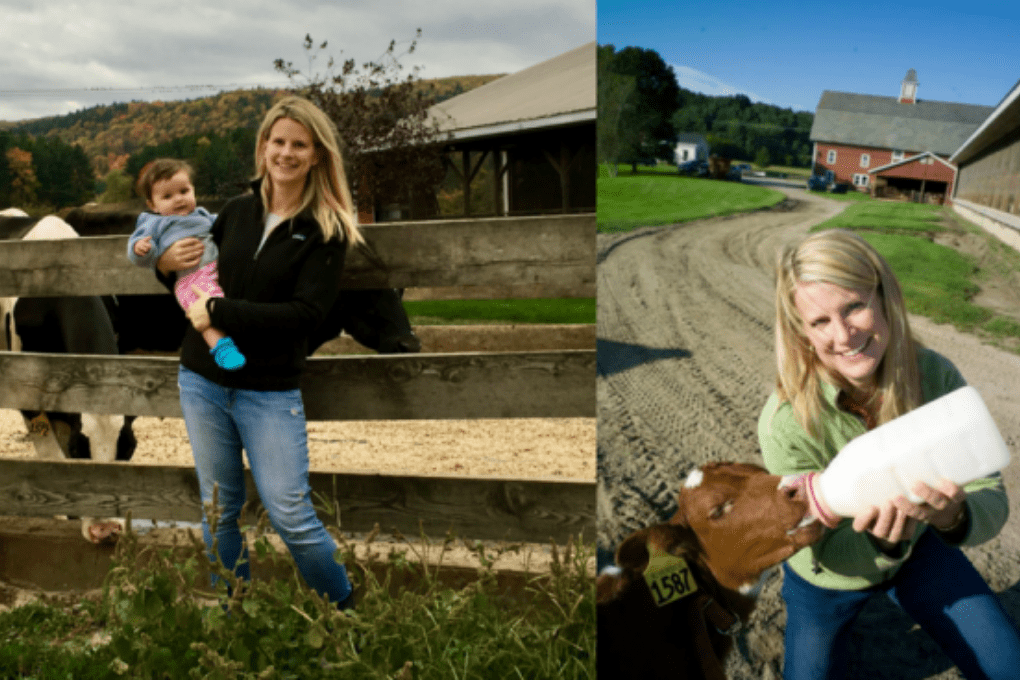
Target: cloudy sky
60	57
786	52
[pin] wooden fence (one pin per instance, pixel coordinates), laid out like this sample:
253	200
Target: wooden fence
550	256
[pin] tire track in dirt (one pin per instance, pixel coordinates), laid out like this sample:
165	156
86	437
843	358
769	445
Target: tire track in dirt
686	362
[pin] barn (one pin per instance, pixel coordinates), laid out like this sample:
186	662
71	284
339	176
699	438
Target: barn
893	147
535	129
987	190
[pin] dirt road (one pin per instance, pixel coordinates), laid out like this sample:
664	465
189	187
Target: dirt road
686	362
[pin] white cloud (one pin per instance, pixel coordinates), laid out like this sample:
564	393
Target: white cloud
696	81
94	51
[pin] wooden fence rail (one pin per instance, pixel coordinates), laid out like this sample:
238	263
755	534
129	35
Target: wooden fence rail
376	387
549	256
478	508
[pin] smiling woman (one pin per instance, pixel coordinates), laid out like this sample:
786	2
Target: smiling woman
848	362
282	251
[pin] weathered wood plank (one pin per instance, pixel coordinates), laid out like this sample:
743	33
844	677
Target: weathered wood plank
406	387
554	255
477	508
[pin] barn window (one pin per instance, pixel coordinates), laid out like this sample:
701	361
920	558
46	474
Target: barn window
865	160
831	158
897	155
860	180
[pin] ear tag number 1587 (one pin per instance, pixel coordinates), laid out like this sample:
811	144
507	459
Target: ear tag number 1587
668	577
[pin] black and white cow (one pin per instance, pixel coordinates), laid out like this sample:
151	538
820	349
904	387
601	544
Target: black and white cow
73	325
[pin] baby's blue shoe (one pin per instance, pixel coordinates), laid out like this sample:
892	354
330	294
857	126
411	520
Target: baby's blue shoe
226	355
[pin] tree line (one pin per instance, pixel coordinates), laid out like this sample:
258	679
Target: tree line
642	110
60	161
43	171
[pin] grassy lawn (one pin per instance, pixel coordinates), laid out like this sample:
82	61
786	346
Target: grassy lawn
629	201
889	217
938	282
537	310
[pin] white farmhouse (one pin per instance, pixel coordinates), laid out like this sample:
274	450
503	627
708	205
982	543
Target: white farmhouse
691	147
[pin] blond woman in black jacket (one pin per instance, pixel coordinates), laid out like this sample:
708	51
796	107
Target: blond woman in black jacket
282	251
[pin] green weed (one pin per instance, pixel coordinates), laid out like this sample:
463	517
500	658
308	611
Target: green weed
161	619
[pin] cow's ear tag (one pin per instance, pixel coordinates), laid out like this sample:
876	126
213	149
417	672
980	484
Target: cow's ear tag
40	425
669	578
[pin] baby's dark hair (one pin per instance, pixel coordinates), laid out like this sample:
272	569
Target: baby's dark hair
157	170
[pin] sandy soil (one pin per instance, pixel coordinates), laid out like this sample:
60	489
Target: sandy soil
533	447
686	362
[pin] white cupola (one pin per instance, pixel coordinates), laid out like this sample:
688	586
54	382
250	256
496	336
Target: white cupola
908	88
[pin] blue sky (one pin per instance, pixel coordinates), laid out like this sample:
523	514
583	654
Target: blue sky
787	52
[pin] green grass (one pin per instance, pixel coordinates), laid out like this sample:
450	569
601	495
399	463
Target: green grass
888	217
850	196
937	281
537	310
789	171
630	201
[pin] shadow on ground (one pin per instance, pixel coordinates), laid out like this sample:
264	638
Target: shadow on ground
615	357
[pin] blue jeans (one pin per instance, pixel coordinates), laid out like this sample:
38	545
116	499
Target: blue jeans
937	586
270	427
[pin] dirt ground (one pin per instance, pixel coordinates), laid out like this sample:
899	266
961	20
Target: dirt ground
686	362
532	447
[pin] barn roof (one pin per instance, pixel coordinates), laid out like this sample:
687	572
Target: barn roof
883	122
559	91
1001	122
690	138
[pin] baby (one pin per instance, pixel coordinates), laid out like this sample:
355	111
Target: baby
168	188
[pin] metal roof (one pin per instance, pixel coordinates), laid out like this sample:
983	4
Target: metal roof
559	91
998	125
883	122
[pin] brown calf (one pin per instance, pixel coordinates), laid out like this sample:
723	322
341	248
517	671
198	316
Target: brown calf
680	587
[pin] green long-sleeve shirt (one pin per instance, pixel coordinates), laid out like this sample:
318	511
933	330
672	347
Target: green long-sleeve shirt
844	559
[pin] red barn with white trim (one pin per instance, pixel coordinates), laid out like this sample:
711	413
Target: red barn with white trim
896	147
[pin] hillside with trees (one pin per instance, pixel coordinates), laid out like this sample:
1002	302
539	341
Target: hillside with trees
59	161
642	110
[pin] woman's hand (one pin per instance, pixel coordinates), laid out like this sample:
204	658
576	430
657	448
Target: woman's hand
940	505
198	313
180	255
888	523
895	520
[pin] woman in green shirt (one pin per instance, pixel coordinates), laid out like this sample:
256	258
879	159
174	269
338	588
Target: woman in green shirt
847	362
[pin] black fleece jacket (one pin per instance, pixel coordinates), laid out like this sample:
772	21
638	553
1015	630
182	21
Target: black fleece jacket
274	299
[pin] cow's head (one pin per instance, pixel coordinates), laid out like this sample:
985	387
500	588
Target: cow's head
745	520
103	436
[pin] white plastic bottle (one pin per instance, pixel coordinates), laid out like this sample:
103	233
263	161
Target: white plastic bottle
953	436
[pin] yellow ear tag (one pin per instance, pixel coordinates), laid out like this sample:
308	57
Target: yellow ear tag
668	577
40	425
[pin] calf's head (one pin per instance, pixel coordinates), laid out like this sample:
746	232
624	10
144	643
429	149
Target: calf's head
733	522
744	520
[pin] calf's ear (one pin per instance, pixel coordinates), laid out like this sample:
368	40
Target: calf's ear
632	554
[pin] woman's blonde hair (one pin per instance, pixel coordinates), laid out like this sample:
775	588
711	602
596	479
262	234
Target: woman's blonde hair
327	193
843	259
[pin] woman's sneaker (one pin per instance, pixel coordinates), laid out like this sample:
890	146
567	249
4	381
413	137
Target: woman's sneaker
226	355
